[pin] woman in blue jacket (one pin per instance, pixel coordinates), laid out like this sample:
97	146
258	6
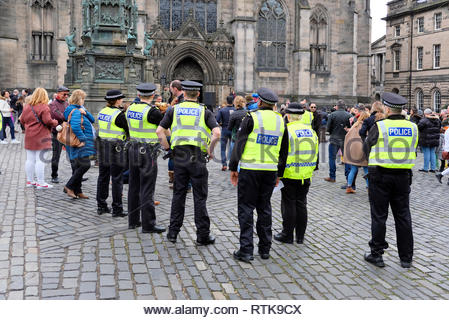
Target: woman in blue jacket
79	157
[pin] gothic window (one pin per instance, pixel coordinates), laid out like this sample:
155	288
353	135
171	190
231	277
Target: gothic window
271	36
319	40
437	100
419	100
42	34
173	13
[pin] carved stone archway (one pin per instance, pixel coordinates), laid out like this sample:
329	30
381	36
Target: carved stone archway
188	69
199	55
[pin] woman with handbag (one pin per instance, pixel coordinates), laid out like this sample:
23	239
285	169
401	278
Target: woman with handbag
80	121
445	156
37	121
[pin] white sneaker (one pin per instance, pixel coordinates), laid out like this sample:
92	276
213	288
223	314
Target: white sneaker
44	186
15	141
31	184
3	142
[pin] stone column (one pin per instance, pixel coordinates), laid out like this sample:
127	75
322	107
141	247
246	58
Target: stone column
301	54
243	30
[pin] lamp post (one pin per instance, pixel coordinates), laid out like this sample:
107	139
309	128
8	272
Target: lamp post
230	83
163	79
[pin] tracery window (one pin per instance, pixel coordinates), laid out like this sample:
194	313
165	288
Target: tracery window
42	30
173	13
319	40
420	100
437	100
271	36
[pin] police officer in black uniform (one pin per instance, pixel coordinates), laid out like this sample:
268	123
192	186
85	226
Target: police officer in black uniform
257	177
111	154
143	119
391	149
189	160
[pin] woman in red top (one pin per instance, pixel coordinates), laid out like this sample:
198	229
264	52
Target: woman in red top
38	123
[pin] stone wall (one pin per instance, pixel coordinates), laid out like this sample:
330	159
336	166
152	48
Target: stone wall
348	73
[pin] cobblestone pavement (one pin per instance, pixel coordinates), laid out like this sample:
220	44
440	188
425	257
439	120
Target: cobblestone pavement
52	247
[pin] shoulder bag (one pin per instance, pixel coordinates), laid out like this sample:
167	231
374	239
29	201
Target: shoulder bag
66	135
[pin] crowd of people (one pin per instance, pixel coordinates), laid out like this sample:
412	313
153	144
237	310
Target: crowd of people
261	145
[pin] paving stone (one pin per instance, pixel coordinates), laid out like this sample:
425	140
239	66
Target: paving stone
107	293
87	287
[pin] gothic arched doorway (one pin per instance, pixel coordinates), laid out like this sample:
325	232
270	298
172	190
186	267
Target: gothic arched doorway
189	69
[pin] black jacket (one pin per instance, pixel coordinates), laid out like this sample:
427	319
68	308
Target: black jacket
366	125
429	132
336	124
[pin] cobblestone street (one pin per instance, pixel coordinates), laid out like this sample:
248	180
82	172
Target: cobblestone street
52	247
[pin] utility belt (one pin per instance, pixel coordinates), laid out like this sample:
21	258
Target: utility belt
112	144
154	149
190	154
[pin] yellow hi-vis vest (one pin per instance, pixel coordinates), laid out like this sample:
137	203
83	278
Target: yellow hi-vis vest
396	145
107	129
1	121
302	151
139	128
264	142
189	126
307	118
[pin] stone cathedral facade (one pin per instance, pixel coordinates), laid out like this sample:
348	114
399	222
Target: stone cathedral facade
301	48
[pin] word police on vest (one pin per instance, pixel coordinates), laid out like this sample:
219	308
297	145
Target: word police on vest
400	132
104	117
135	115
267	139
304	133
189	112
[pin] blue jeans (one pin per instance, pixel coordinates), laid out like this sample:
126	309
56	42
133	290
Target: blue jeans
429	156
352	174
333	150
225	138
7	121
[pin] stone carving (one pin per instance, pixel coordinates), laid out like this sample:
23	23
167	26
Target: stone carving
139	74
70	41
109	70
148	45
42	3
131	41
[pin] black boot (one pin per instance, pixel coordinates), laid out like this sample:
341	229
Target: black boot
102	210
376	260
282	237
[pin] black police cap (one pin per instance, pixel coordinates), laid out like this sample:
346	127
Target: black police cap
267	95
296	108
191	86
114	95
393	100
146	89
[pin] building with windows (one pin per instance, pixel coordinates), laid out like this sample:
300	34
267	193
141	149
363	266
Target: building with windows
378	53
318	49
417	52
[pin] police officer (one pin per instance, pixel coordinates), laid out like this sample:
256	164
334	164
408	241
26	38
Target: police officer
296	167
113	130
194	133
257	147
391	145
143	119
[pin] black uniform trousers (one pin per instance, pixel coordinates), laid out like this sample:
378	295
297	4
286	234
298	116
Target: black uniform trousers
390	187
255	189
56	154
142	184
111	164
190	166
294	207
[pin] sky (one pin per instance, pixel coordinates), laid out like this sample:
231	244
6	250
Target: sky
378	11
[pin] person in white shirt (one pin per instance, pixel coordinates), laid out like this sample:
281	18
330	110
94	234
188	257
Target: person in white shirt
440	175
6	111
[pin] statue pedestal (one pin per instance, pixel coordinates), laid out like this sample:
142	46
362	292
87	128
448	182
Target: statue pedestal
109	58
